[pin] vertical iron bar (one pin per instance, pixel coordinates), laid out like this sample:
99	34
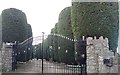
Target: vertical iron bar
81	69
42	49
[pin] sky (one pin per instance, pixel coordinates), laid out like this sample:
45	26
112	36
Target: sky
41	14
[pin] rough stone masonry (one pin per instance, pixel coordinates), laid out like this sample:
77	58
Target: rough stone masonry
6	58
97	51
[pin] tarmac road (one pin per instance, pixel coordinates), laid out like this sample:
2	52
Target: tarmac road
34	67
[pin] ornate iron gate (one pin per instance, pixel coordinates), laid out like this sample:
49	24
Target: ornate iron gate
51	56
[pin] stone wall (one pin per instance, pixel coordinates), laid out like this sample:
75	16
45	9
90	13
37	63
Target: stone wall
119	64
6	57
0	61
0	43
97	51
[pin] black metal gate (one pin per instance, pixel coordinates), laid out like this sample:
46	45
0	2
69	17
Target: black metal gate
54	54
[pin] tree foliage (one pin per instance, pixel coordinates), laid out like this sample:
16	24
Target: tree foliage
16	28
96	19
14	24
65	29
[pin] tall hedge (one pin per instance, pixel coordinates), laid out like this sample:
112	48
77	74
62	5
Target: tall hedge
14	25
49	42
65	29
96	19
29	45
55	43
16	28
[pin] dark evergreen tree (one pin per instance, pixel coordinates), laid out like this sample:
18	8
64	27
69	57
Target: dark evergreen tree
65	29
55	43
15	28
14	25
50	45
29	45
96	19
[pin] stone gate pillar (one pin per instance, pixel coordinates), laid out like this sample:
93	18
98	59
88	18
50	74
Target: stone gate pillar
97	54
